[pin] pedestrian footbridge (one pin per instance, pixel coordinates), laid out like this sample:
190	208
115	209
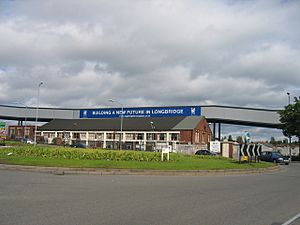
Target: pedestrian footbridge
213	113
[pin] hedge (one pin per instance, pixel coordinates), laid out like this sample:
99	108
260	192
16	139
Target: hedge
70	153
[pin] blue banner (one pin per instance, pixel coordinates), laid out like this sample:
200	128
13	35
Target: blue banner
141	112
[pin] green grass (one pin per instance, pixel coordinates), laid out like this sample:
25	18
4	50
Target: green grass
179	162
14	143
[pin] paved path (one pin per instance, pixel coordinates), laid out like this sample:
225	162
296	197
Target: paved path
46	199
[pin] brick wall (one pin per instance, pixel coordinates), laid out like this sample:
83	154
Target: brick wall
17	132
186	136
201	134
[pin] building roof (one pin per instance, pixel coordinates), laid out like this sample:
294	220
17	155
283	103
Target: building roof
188	123
129	124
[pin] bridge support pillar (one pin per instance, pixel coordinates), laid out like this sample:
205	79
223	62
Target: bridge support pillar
214	131
216	136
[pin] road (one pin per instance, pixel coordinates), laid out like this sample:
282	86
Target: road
30	198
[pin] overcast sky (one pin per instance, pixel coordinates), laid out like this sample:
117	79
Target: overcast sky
150	53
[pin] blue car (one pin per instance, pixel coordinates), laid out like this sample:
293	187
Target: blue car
78	145
274	157
204	152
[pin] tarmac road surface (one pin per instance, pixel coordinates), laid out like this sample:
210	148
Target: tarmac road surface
28	198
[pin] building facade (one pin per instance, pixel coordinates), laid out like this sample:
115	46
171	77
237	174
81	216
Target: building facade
18	132
137	133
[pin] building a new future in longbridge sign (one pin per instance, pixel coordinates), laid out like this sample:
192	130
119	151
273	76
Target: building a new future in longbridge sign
141	112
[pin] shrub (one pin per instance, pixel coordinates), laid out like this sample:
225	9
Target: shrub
57	141
70	153
296	158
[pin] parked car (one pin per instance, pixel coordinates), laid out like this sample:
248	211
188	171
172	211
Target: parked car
78	145
275	157
27	140
204	152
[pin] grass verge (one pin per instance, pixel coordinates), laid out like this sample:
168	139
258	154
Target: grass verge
180	162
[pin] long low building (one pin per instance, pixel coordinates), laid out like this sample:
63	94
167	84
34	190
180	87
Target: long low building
134	133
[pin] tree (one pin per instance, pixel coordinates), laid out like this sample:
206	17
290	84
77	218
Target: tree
240	139
230	138
290	120
285	141
273	141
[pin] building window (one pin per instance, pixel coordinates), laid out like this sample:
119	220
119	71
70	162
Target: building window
174	137
83	136
117	136
140	136
12	131
151	136
129	136
92	136
19	131
162	137
27	131
110	136
67	135
203	137
76	135
99	136
63	135
197	136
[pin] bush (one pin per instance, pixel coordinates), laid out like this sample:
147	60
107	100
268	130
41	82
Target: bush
14	143
70	153
57	141
296	158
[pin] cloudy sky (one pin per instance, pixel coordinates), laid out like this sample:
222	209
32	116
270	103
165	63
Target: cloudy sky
150	52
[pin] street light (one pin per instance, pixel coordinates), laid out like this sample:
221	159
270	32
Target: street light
290	138
122	106
37	111
25	121
153	127
289	97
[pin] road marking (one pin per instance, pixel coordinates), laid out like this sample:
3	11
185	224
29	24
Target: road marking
292	219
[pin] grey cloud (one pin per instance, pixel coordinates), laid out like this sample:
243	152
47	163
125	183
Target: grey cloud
243	53
150	53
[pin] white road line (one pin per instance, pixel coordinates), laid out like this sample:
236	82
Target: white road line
292	219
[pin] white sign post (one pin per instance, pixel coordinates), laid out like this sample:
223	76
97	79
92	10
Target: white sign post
215	146
165	151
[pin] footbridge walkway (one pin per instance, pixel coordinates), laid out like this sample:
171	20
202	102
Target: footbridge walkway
213	113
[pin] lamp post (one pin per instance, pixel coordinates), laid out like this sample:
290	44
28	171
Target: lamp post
37	111
153	127
290	138
289	97
121	129
25	121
